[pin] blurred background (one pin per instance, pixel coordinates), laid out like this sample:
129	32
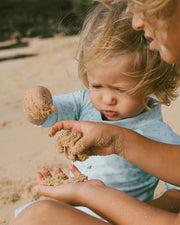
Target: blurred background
38	43
44	18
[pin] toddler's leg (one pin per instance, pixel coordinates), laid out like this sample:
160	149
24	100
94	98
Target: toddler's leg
50	212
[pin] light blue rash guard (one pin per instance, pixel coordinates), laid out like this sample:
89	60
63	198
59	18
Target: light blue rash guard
113	170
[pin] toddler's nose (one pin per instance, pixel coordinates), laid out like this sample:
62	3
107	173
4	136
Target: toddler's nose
109	99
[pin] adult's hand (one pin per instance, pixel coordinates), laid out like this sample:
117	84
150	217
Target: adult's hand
97	138
106	139
68	193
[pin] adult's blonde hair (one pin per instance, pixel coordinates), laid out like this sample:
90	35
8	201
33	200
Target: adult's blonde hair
107	33
163	9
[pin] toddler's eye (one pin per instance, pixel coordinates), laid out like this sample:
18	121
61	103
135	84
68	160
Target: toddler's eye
96	86
121	91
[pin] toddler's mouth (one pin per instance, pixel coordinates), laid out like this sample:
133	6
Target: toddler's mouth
109	113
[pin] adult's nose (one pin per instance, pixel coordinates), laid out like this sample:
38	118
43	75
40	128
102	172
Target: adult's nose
137	22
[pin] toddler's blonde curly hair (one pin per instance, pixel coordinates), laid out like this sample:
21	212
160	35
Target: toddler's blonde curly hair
107	33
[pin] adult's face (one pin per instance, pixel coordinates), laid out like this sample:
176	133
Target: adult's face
165	39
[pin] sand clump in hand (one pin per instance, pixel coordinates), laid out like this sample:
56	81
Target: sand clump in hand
42	109
62	178
42	112
66	142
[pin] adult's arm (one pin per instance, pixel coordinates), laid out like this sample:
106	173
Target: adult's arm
169	201
115	206
159	159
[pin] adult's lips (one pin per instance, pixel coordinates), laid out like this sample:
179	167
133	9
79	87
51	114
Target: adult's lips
153	46
152	43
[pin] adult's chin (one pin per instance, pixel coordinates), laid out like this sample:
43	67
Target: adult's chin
168	55
170	58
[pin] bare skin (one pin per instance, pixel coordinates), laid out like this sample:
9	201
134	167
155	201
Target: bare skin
102	140
115	206
105	139
38	104
165	40
169	47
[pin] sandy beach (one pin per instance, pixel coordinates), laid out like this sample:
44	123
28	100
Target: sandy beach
26	149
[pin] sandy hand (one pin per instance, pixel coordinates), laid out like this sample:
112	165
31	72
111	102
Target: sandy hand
58	177
38	103
69	192
66	142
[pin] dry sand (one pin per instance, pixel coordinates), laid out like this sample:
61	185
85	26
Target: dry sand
25	149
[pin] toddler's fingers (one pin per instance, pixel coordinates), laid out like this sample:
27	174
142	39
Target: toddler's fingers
30	104
38	102
53	109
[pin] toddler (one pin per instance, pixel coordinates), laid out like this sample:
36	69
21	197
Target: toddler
121	75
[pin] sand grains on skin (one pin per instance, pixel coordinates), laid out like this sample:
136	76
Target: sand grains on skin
66	142
40	98
61	178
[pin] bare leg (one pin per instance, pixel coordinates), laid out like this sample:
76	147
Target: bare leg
50	212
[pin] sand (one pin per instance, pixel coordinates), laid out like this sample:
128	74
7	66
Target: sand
61	178
26	149
66	143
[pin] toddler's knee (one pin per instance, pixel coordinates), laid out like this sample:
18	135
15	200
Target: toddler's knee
41	213
38	212
43	207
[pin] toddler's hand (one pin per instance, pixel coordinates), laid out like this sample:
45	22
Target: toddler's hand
38	104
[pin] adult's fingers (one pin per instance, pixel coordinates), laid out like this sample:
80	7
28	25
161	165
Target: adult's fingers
53	109
39	177
74	170
44	173
59	146
94	135
57	169
66	125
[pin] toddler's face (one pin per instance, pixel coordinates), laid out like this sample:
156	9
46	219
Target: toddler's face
107	86
163	39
